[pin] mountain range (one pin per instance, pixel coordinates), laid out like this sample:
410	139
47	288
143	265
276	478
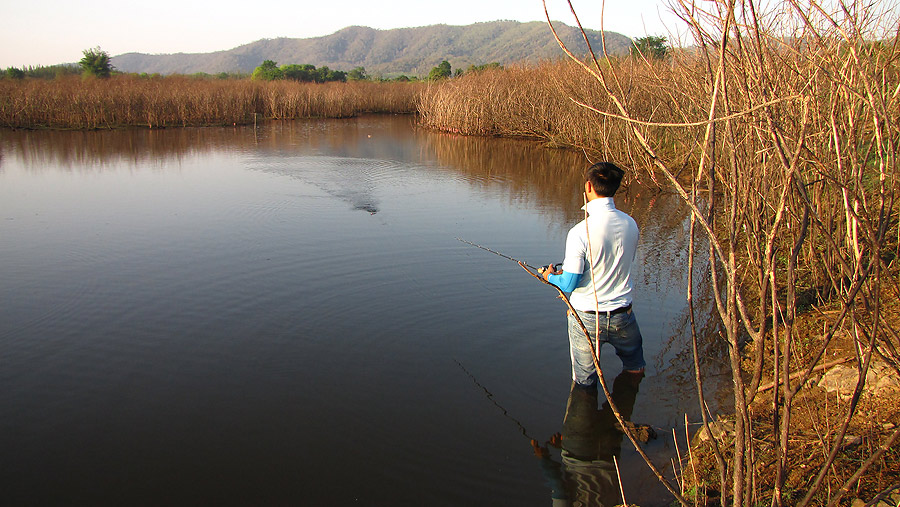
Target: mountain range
387	53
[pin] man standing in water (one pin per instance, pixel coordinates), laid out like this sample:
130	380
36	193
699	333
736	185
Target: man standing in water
597	271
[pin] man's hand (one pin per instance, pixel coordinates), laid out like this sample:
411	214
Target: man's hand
556	440
551	269
540	451
543	451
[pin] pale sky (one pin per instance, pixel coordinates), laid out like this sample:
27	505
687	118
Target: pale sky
48	32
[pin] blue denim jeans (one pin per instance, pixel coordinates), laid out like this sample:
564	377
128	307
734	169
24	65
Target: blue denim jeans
619	330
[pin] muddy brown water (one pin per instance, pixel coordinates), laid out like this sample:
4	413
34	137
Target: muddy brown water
283	315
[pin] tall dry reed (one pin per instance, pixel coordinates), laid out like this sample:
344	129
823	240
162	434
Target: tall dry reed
542	102
76	103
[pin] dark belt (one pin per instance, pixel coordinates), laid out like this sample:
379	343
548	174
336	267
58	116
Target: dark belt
622	309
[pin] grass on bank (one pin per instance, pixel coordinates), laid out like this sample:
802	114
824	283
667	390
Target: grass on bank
72	102
817	415
541	102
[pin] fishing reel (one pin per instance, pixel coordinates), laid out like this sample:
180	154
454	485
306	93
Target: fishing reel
555	268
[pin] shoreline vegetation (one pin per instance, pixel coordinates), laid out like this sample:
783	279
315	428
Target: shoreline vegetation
73	102
519	101
779	127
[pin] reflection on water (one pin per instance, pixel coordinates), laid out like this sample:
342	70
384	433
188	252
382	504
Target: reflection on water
96	150
525	171
590	440
276	315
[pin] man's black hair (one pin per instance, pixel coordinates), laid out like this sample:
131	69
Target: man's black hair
605	177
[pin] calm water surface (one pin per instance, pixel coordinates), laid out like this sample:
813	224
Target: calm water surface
284	316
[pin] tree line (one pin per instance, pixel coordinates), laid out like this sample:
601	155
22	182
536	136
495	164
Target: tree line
269	70
96	62
305	73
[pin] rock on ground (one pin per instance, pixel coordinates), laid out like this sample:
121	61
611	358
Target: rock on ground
881	380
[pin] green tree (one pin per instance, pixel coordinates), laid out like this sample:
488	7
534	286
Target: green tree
324	74
651	46
357	74
336	75
305	73
14	73
442	71
96	63
268	71
52	72
483	67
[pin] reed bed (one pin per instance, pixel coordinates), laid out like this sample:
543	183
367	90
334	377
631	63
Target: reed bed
122	101
544	102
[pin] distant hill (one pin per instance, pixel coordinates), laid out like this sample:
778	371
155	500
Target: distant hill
410	51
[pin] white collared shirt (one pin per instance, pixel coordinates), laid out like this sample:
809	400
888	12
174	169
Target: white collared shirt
613	236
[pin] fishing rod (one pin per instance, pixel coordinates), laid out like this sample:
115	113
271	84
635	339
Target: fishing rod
529	266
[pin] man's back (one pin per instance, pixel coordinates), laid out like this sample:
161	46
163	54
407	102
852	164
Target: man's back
612	236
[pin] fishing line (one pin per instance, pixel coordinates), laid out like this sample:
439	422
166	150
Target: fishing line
523	263
490	396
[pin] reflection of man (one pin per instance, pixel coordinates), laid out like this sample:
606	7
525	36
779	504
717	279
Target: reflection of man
597	271
590	438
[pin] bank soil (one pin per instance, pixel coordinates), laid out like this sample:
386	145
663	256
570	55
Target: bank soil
819	411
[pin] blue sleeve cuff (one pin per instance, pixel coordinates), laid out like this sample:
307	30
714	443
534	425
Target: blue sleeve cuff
566	281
